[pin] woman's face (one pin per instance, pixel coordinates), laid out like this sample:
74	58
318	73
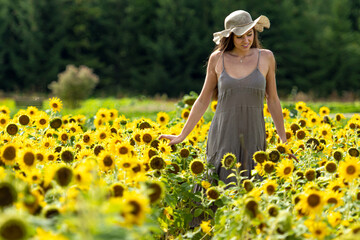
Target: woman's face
245	41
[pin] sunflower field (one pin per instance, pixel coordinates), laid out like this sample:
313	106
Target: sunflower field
109	177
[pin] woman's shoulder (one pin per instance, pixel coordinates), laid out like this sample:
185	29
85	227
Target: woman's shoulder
267	53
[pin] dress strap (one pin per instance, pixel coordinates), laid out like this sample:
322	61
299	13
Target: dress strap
223	61
258	59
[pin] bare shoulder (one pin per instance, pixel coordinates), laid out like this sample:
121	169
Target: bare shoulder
214	57
268	55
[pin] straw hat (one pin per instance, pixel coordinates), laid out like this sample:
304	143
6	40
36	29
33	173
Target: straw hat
239	22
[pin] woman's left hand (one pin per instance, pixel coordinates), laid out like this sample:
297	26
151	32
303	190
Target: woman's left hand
293	157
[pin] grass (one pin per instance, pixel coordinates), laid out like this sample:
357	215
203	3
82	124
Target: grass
147	107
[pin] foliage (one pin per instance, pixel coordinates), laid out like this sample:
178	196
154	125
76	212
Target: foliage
74	84
162	46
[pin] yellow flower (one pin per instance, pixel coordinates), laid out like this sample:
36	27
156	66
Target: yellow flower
319	230
162	118
324	111
349	169
286	113
206	227
185	113
55	104
196	167
300	106
270	187
334	218
266	111
228	161
311	201
285	169
213	105
205	184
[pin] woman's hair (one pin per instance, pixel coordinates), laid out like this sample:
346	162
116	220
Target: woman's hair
227	44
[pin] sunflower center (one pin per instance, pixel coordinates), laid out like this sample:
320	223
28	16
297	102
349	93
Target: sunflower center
123	150
9	153
118	190
213	194
184	153
318	232
313	200
64	137
86	138
12	129
63	176
108	161
157	163
29	159
136	207
2	121
7	196
197	167
55	105
147	137
350	170
300	135
156	192
24	120
270	189
287	170
332	201
13	229
162	119
102	135
67	156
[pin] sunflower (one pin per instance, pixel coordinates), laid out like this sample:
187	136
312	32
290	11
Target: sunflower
74	128
102	133
314	120
318	230
185	113
353	152
339	116
103	114
324	111
310	174
251	207
156	191
42	120
162	118
270	187
117	189
157	163
312	143
63	175
260	156
67	155
335	185
228	161
136	206
349	169
84	153
266	111
197	167
338	154
8	153
273	155
13	228
123	149
206	227
184	152
302	122
330	166
248	185
286	113
311	201
8	194
334	218
147	136
268	167
106	161
282	148
32	111
325	131
285	169
164	147
12	129
273	210
24	119
334	199
4	120
27	159
213	105
34	176
300	106
55	104
212	193
4	109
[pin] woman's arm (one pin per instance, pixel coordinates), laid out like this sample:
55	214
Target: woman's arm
201	103
272	97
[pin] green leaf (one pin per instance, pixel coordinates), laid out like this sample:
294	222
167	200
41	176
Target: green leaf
197	212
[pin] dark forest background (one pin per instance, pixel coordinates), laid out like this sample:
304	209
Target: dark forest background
162	46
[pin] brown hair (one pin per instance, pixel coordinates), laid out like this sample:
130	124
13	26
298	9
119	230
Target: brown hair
227	44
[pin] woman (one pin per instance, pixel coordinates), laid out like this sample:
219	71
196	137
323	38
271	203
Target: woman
240	74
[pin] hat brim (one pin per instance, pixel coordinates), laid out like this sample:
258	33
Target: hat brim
258	24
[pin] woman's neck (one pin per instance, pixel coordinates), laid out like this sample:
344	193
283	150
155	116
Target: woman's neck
240	53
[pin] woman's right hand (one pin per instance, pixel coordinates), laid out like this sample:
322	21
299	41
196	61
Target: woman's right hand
174	139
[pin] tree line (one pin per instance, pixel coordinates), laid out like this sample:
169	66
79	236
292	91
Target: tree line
162	46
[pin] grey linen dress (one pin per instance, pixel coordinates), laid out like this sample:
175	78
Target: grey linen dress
238	125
